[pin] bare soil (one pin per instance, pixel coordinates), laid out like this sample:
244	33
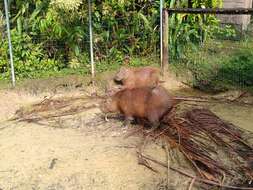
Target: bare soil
76	154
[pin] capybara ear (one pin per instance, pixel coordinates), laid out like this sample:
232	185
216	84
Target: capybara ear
122	73
113	90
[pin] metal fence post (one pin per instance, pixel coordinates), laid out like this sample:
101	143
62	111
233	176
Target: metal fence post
165	50
9	41
91	43
161	32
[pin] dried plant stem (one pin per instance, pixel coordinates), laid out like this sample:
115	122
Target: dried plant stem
208	182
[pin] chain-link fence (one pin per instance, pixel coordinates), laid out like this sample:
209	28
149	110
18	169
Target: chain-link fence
212	53
2	24
53	36
3	37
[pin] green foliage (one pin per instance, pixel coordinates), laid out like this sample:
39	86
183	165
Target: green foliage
219	72
106	64
204	73
29	58
66	5
128	26
2	24
50	35
238	69
63	24
189	31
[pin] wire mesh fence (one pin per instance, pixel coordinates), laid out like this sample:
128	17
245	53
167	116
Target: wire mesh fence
52	40
3	36
2	24
212	54
46	38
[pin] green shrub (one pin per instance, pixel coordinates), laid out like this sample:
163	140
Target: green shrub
222	72
238	69
120	28
29	58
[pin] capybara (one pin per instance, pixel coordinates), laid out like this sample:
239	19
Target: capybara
146	103
138	77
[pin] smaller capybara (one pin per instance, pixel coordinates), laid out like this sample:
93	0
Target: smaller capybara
146	103
138	77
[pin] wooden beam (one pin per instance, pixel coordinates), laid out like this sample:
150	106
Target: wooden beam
233	11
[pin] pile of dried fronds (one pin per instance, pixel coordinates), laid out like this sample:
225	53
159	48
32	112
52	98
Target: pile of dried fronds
215	149
201	137
50	109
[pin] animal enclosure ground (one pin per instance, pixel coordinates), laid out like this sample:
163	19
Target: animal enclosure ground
72	156
72	152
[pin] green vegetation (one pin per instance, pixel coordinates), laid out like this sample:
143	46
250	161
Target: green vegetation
51	38
220	66
52	35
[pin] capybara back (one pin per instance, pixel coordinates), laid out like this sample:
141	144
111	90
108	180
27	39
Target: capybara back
138	77
146	102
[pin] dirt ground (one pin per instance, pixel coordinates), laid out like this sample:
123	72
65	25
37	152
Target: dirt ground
78	155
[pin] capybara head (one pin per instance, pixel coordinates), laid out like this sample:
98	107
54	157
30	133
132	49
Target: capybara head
109	105
122	74
112	90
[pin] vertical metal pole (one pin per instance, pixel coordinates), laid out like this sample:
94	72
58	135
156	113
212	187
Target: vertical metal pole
161	32
165	50
91	43
9	41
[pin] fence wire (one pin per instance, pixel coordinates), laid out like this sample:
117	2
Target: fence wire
59	49
212	56
211	53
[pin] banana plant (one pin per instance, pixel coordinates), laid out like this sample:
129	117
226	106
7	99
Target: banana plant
189	31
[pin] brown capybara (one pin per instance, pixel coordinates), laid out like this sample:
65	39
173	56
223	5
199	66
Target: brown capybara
146	103
138	77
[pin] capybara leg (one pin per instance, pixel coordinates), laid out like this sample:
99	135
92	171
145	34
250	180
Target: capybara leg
140	121
127	121
154	121
154	126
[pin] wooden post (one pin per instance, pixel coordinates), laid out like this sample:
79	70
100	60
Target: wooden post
165	38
